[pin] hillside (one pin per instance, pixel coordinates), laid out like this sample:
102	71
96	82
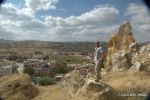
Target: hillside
58	46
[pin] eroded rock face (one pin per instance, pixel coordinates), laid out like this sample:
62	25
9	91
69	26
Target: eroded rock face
136	67
119	46
142	57
122	39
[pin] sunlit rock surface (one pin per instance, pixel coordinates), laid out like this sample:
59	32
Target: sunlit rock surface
142	58
118	48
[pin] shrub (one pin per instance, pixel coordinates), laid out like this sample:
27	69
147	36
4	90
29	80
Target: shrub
60	67
45	81
29	70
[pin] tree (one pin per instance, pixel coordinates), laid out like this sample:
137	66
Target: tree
29	70
60	67
45	81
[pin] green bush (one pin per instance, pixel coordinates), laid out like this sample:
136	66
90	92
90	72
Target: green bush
60	67
45	81
29	70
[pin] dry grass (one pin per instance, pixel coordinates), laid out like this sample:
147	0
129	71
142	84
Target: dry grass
17	87
49	93
54	93
122	82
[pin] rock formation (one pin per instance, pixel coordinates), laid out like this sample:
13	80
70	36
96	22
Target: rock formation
136	67
122	39
118	47
124	54
141	59
81	88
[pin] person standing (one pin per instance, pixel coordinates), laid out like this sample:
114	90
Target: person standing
98	57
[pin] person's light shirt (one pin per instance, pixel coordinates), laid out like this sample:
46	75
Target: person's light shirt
98	52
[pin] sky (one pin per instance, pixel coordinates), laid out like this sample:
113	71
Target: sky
72	20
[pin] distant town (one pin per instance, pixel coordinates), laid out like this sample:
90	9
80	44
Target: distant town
44	59
41	58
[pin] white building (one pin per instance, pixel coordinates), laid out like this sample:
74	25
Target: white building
5	70
20	67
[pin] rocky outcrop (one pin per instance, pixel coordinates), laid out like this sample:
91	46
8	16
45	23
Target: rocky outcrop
80	88
124	53
122	39
136	67
119	46
141	59
120	61
133	59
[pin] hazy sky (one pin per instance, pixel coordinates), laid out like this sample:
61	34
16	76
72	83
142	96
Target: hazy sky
72	20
